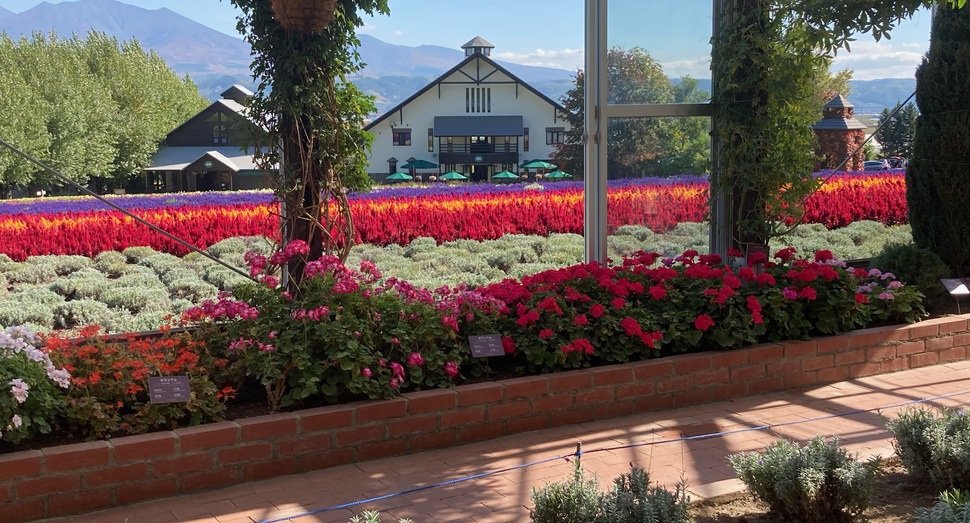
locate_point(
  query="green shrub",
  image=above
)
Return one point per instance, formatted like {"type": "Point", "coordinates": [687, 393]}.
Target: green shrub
{"type": "Point", "coordinates": [419, 245]}
{"type": "Point", "coordinates": [62, 264]}
{"type": "Point", "coordinates": [631, 500]}
{"type": "Point", "coordinates": [952, 507]}
{"type": "Point", "coordinates": [161, 262]}
{"type": "Point", "coordinates": [137, 299]}
{"type": "Point", "coordinates": [193, 289]}
{"type": "Point", "coordinates": [372, 516]}
{"type": "Point", "coordinates": [138, 253]}
{"type": "Point", "coordinates": [38, 316]}
{"type": "Point", "coordinates": [109, 258]}
{"type": "Point", "coordinates": [80, 313]}
{"type": "Point", "coordinates": [30, 273]}
{"type": "Point", "coordinates": [915, 266]}
{"type": "Point", "coordinates": [177, 273]}
{"type": "Point", "coordinates": [80, 285]}
{"type": "Point", "coordinates": [819, 482]}
{"type": "Point", "coordinates": [139, 279]}
{"type": "Point", "coordinates": [934, 448]}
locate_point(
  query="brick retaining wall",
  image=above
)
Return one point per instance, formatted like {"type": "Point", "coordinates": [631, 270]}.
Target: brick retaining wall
{"type": "Point", "coordinates": [89, 476]}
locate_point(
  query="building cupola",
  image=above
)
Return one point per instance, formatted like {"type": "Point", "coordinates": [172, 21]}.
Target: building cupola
{"type": "Point", "coordinates": [478, 45]}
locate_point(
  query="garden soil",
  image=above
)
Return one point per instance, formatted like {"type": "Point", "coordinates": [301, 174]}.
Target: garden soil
{"type": "Point", "coordinates": [895, 500]}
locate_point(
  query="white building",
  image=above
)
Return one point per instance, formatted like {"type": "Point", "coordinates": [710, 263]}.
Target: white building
{"type": "Point", "coordinates": [477, 119]}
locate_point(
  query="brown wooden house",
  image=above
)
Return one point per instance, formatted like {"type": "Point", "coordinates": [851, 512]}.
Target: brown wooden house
{"type": "Point", "coordinates": [211, 151]}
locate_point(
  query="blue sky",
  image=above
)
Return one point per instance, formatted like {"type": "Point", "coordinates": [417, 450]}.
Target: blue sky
{"type": "Point", "coordinates": [550, 32]}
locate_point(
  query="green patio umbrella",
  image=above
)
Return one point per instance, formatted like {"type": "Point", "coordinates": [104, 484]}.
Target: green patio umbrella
{"type": "Point", "coordinates": [558, 175]}
{"type": "Point", "coordinates": [452, 175]}
{"type": "Point", "coordinates": [419, 164]}
{"type": "Point", "coordinates": [505, 175]}
{"type": "Point", "coordinates": [538, 164]}
{"type": "Point", "coordinates": [399, 177]}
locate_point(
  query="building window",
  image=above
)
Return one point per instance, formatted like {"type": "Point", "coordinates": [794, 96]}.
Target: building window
{"type": "Point", "coordinates": [555, 135]}
{"type": "Point", "coordinates": [478, 99]}
{"type": "Point", "coordinates": [525, 139]}
{"type": "Point", "coordinates": [402, 137]}
{"type": "Point", "coordinates": [450, 143]}
{"type": "Point", "coordinates": [220, 128]}
{"type": "Point", "coordinates": [430, 139]}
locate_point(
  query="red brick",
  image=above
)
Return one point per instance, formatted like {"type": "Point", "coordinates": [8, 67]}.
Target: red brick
{"type": "Point", "coordinates": [762, 353]}
{"type": "Point", "coordinates": [326, 418]}
{"type": "Point", "coordinates": [862, 370]}
{"type": "Point", "coordinates": [912, 347]}
{"type": "Point", "coordinates": [304, 443]}
{"type": "Point", "coordinates": [381, 410]}
{"type": "Point", "coordinates": [74, 502]}
{"type": "Point", "coordinates": [655, 368]}
{"type": "Point", "coordinates": [852, 356]}
{"type": "Point", "coordinates": [961, 340]}
{"type": "Point", "coordinates": [614, 409]}
{"type": "Point", "coordinates": [694, 397]}
{"type": "Point", "coordinates": [29, 488]}
{"type": "Point", "coordinates": [209, 436]}
{"type": "Point", "coordinates": [430, 441]}
{"type": "Point", "coordinates": [551, 403]}
{"type": "Point", "coordinates": [22, 511]}
{"type": "Point", "coordinates": [526, 387]}
{"type": "Point", "coordinates": [730, 391]}
{"type": "Point", "coordinates": [210, 479]}
{"type": "Point", "coordinates": [570, 381]}
{"type": "Point", "coordinates": [143, 446]}
{"type": "Point", "coordinates": [655, 403]}
{"type": "Point", "coordinates": [269, 469]}
{"type": "Point", "coordinates": [635, 390]}
{"type": "Point", "coordinates": [479, 393]}
{"type": "Point", "coordinates": [462, 417]}
{"type": "Point", "coordinates": [712, 377]}
{"type": "Point", "coordinates": [936, 344]}
{"type": "Point", "coordinates": [190, 463]}
{"type": "Point", "coordinates": [159, 488]}
{"type": "Point", "coordinates": [955, 324]}
{"type": "Point", "coordinates": [833, 374]}
{"type": "Point", "coordinates": [115, 475]}
{"type": "Point", "coordinates": [878, 336]}
{"type": "Point", "coordinates": [413, 424]}
{"type": "Point", "coordinates": [329, 458]}
{"type": "Point", "coordinates": [5, 494]}
{"type": "Point", "coordinates": [772, 384]}
{"type": "Point", "coordinates": [747, 373]}
{"type": "Point", "coordinates": [353, 437]}
{"type": "Point", "coordinates": [674, 384]}
{"type": "Point", "coordinates": [594, 396]}
{"type": "Point", "coordinates": [690, 363]}
{"type": "Point", "coordinates": [923, 330]}
{"type": "Point", "coordinates": [924, 359]}
{"type": "Point", "coordinates": [515, 409]}
{"type": "Point", "coordinates": [78, 456]}
{"type": "Point", "coordinates": [956, 353]}
{"type": "Point", "coordinates": [897, 364]}
{"type": "Point", "coordinates": [431, 400]}
{"type": "Point", "coordinates": [611, 375]}
{"type": "Point", "coordinates": [518, 425]}
{"type": "Point", "coordinates": [480, 432]}
{"type": "Point", "coordinates": [881, 353]}
{"type": "Point", "coordinates": [382, 449]}
{"type": "Point", "coordinates": [26, 464]}
{"type": "Point", "coordinates": [268, 427]}
{"type": "Point", "coordinates": [832, 344]}
{"type": "Point", "coordinates": [804, 379]}
{"type": "Point", "coordinates": [729, 358]}
{"type": "Point", "coordinates": [244, 453]}
{"type": "Point", "coordinates": [783, 368]}
{"type": "Point", "coordinates": [818, 362]}
{"type": "Point", "coordinates": [571, 416]}
{"type": "Point", "coordinates": [801, 349]}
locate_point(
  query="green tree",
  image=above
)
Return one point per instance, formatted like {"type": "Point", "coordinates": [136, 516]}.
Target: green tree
{"type": "Point", "coordinates": [316, 117]}
{"type": "Point", "coordinates": [897, 134]}
{"type": "Point", "coordinates": [638, 146]}
{"type": "Point", "coordinates": [937, 183]}
{"type": "Point", "coordinates": [21, 125]}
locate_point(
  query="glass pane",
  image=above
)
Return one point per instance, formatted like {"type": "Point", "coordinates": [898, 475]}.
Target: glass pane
{"type": "Point", "coordinates": [658, 185]}
{"type": "Point", "coordinates": [666, 40]}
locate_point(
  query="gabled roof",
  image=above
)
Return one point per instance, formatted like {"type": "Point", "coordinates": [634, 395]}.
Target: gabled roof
{"type": "Point", "coordinates": [838, 102]}
{"type": "Point", "coordinates": [237, 92]}
{"type": "Point", "coordinates": [231, 105]}
{"type": "Point", "coordinates": [178, 158]}
{"type": "Point", "coordinates": [453, 70]}
{"type": "Point", "coordinates": [478, 41]}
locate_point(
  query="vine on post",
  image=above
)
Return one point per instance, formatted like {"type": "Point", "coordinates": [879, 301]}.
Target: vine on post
{"type": "Point", "coordinates": [313, 119]}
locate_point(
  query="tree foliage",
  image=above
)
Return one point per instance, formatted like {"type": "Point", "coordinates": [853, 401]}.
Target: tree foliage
{"type": "Point", "coordinates": [639, 146]}
{"type": "Point", "coordinates": [315, 117]}
{"type": "Point", "coordinates": [89, 108]}
{"type": "Point", "coordinates": [937, 183]}
{"type": "Point", "coordinates": [898, 129]}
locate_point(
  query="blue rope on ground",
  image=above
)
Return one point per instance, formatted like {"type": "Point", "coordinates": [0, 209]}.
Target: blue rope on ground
{"type": "Point", "coordinates": [579, 452]}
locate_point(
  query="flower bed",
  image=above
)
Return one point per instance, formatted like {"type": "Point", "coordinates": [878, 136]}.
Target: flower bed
{"type": "Point", "coordinates": [87, 476]}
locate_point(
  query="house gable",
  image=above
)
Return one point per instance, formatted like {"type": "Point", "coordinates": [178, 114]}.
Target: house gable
{"type": "Point", "coordinates": [222, 123]}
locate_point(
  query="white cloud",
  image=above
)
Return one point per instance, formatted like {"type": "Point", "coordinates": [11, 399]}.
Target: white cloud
{"type": "Point", "coordinates": [872, 60]}
{"type": "Point", "coordinates": [569, 59]}
{"type": "Point", "coordinates": [699, 67]}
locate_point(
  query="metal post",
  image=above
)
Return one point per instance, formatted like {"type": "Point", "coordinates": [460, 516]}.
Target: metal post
{"type": "Point", "coordinates": [594, 134]}
{"type": "Point", "coordinates": [722, 220]}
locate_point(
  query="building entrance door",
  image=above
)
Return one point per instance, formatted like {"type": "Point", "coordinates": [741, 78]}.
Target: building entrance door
{"type": "Point", "coordinates": [480, 172]}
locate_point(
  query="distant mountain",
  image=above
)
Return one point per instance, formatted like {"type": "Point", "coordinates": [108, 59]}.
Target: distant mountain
{"type": "Point", "coordinates": [393, 72]}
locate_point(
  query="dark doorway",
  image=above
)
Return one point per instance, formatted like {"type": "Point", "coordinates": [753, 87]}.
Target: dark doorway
{"type": "Point", "coordinates": [480, 172]}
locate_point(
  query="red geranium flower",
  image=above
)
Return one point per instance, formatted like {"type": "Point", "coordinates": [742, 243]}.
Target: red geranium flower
{"type": "Point", "coordinates": [703, 322]}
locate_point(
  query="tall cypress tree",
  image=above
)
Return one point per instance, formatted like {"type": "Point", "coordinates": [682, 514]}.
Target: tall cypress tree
{"type": "Point", "coordinates": [938, 177]}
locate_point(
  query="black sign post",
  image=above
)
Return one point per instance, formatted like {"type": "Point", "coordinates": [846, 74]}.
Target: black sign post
{"type": "Point", "coordinates": [486, 345]}
{"type": "Point", "coordinates": [169, 389]}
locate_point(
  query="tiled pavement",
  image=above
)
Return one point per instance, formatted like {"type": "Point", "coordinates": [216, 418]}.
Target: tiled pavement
{"type": "Point", "coordinates": [504, 497]}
